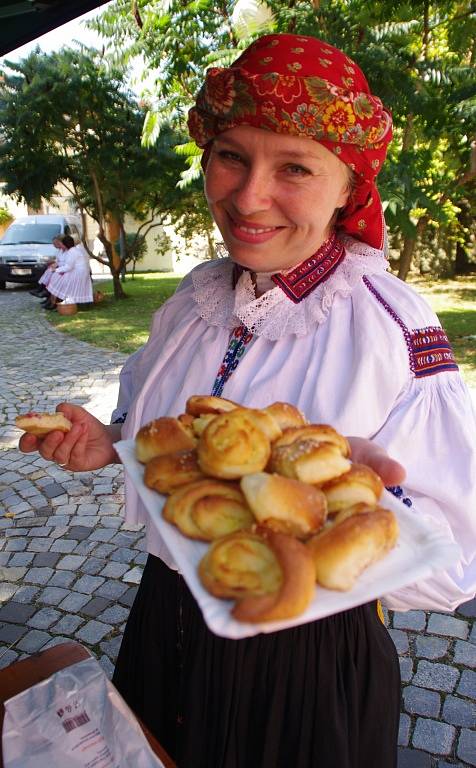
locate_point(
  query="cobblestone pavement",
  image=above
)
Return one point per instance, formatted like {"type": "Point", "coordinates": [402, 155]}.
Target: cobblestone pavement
{"type": "Point", "coordinates": [69, 566]}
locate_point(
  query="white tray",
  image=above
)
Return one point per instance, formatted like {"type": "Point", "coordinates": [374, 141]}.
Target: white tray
{"type": "Point", "coordinates": [420, 552]}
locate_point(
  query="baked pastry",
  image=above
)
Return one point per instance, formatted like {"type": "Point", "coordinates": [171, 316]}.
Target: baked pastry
{"type": "Point", "coordinates": [197, 405]}
{"type": "Point", "coordinates": [240, 564]}
{"type": "Point", "coordinates": [360, 485]}
{"type": "Point", "coordinates": [162, 436]}
{"type": "Point", "coordinates": [200, 423]}
{"type": "Point", "coordinates": [40, 424]}
{"type": "Point", "coordinates": [285, 505]}
{"type": "Point", "coordinates": [345, 549]}
{"type": "Point", "coordinates": [208, 509]}
{"type": "Point", "coordinates": [232, 446]}
{"type": "Point", "coordinates": [265, 421]}
{"type": "Point", "coordinates": [297, 586]}
{"type": "Point", "coordinates": [319, 433]}
{"type": "Point", "coordinates": [287, 415]}
{"type": "Point", "coordinates": [271, 574]}
{"type": "Point", "coordinates": [167, 473]}
{"type": "Point", "coordinates": [308, 461]}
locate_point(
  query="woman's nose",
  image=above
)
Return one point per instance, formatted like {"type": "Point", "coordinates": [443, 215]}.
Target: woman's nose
{"type": "Point", "coordinates": [253, 192]}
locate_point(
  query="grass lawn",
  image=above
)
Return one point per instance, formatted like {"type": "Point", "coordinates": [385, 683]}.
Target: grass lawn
{"type": "Point", "coordinates": [124, 325]}
{"type": "Point", "coordinates": [454, 301]}
{"type": "Point", "coordinates": [120, 325]}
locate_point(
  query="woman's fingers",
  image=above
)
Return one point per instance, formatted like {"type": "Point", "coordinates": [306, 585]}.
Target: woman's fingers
{"type": "Point", "coordinates": [376, 457]}
{"type": "Point", "coordinates": [62, 451]}
{"type": "Point", "coordinates": [28, 443]}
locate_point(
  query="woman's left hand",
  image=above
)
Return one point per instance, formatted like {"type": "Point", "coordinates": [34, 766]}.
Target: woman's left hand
{"type": "Point", "coordinates": [370, 453]}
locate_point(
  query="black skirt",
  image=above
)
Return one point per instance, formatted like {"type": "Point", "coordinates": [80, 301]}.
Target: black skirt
{"type": "Point", "coordinates": [322, 695]}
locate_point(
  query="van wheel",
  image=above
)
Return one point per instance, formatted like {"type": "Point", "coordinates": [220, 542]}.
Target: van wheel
{"type": "Point", "coordinates": [3, 285]}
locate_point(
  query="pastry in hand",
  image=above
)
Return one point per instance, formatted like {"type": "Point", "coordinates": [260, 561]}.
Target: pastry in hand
{"type": "Point", "coordinates": [162, 436]}
{"type": "Point", "coordinates": [297, 587]}
{"type": "Point", "coordinates": [287, 415]}
{"type": "Point", "coordinates": [360, 485]}
{"type": "Point", "coordinates": [40, 424]}
{"type": "Point", "coordinates": [285, 505]}
{"type": "Point", "coordinates": [345, 549]}
{"type": "Point", "coordinates": [232, 446]}
{"type": "Point", "coordinates": [318, 433]}
{"type": "Point", "coordinates": [208, 509]}
{"type": "Point", "coordinates": [308, 461]}
{"type": "Point", "coordinates": [197, 405]}
{"type": "Point", "coordinates": [167, 473]}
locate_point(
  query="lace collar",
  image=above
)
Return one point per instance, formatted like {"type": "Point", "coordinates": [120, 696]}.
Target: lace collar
{"type": "Point", "coordinates": [273, 315]}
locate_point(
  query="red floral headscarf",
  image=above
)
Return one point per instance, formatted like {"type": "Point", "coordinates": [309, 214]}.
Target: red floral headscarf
{"type": "Point", "coordinates": [301, 86]}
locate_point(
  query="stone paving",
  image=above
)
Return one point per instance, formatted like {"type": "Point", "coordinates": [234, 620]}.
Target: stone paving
{"type": "Point", "coordinates": [69, 566]}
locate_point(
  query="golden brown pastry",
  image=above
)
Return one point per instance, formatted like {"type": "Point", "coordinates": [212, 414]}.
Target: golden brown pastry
{"type": "Point", "coordinates": [240, 564]}
{"type": "Point", "coordinates": [297, 586]}
{"type": "Point", "coordinates": [308, 461]}
{"type": "Point", "coordinates": [162, 436]}
{"type": "Point", "coordinates": [264, 421]}
{"type": "Point", "coordinates": [344, 550]}
{"type": "Point", "coordinates": [167, 473]}
{"type": "Point", "coordinates": [319, 433]}
{"type": "Point", "coordinates": [200, 423]}
{"type": "Point", "coordinates": [232, 446]}
{"type": "Point", "coordinates": [40, 424]}
{"type": "Point", "coordinates": [208, 509]}
{"type": "Point", "coordinates": [287, 415]}
{"type": "Point", "coordinates": [197, 405]}
{"type": "Point", "coordinates": [285, 505]}
{"type": "Point", "coordinates": [360, 485]}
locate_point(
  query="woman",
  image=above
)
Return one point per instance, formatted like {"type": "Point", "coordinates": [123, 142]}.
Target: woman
{"type": "Point", "coordinates": [71, 282]}
{"type": "Point", "coordinates": [303, 311]}
{"type": "Point", "coordinates": [42, 290]}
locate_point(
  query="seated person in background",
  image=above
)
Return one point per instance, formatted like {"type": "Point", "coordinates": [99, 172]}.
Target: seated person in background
{"type": "Point", "coordinates": [72, 280]}
{"type": "Point", "coordinates": [42, 291]}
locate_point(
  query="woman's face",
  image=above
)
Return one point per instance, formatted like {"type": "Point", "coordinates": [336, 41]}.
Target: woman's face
{"type": "Point", "coordinates": [273, 196]}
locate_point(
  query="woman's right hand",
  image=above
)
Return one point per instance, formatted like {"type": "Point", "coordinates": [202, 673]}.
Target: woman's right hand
{"type": "Point", "coordinates": [88, 445]}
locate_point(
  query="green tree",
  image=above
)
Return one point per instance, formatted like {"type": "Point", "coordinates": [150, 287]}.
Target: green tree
{"type": "Point", "coordinates": [66, 117]}
{"type": "Point", "coordinates": [419, 58]}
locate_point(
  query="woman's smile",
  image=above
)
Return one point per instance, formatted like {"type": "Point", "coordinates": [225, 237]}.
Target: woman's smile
{"type": "Point", "coordinates": [251, 232]}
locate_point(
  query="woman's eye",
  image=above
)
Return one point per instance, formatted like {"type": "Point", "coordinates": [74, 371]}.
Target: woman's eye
{"type": "Point", "coordinates": [227, 154]}
{"type": "Point", "coordinates": [297, 170]}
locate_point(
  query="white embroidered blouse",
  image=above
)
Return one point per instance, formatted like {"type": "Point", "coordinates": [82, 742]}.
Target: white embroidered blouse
{"type": "Point", "coordinates": [362, 352]}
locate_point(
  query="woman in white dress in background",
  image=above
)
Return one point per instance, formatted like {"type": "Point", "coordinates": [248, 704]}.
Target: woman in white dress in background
{"type": "Point", "coordinates": [71, 282]}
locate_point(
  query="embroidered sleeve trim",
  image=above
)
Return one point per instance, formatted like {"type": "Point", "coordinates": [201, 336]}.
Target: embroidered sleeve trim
{"type": "Point", "coordinates": [429, 350]}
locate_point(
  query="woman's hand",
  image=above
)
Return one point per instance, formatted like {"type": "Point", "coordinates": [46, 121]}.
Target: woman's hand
{"type": "Point", "coordinates": [88, 445]}
{"type": "Point", "coordinates": [370, 453]}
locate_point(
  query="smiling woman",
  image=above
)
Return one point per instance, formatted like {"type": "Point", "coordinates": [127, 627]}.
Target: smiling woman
{"type": "Point", "coordinates": [273, 197]}
{"type": "Point", "coordinates": [302, 311]}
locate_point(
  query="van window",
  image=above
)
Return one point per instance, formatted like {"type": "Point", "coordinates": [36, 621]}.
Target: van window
{"type": "Point", "coordinates": [31, 233]}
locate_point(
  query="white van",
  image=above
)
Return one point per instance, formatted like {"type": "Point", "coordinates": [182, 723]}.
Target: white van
{"type": "Point", "coordinates": [26, 247]}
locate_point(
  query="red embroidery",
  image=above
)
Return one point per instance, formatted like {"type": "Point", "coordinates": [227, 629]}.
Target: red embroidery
{"type": "Point", "coordinates": [432, 352]}
{"type": "Point", "coordinates": [302, 280]}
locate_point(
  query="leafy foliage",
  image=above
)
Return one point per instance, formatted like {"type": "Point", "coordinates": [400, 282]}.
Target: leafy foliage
{"type": "Point", "coordinates": [67, 117]}
{"type": "Point", "coordinates": [419, 58]}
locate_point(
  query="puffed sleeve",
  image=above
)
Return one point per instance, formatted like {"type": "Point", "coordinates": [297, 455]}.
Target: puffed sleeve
{"type": "Point", "coordinates": [431, 431]}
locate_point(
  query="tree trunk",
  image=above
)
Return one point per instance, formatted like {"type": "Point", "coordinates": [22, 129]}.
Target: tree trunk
{"type": "Point", "coordinates": [116, 281]}
{"type": "Point", "coordinates": [408, 249]}
{"type": "Point", "coordinates": [462, 264]}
